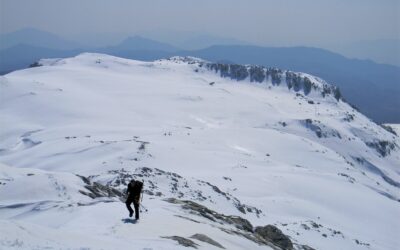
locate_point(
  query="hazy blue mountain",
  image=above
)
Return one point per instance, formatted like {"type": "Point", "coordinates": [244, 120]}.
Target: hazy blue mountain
{"type": "Point", "coordinates": [383, 51]}
{"type": "Point", "coordinates": [204, 41]}
{"type": "Point", "coordinates": [34, 37]}
{"type": "Point", "coordinates": [140, 43]}
{"type": "Point", "coordinates": [21, 56]}
{"type": "Point", "coordinates": [373, 87]}
{"type": "Point", "coordinates": [99, 39]}
{"type": "Point", "coordinates": [190, 40]}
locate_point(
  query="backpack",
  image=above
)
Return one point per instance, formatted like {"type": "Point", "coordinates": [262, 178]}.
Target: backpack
{"type": "Point", "coordinates": [135, 188]}
{"type": "Point", "coordinates": [139, 186]}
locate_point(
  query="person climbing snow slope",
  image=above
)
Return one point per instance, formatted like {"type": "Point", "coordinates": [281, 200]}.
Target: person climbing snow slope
{"type": "Point", "coordinates": [134, 191]}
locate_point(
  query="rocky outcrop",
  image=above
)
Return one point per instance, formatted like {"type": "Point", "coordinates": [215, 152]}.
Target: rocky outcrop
{"type": "Point", "coordinates": [162, 183]}
{"type": "Point", "coordinates": [261, 74]}
{"type": "Point", "coordinates": [197, 209]}
{"type": "Point", "coordinates": [35, 64]}
{"type": "Point", "coordinates": [389, 129]}
{"type": "Point", "coordinates": [268, 235]}
{"type": "Point", "coordinates": [274, 235]}
{"type": "Point", "coordinates": [182, 241]}
{"type": "Point", "coordinates": [97, 190]}
{"type": "Point", "coordinates": [382, 147]}
{"type": "Point", "coordinates": [320, 129]}
{"type": "Point", "coordinates": [206, 239]}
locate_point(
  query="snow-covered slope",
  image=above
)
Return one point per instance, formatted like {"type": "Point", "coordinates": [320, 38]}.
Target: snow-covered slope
{"type": "Point", "coordinates": [218, 147]}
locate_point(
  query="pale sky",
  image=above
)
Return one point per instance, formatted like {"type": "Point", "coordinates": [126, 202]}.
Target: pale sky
{"type": "Point", "coordinates": [288, 22]}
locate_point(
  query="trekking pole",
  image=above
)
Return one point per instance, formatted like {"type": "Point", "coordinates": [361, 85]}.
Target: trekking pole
{"type": "Point", "coordinates": [143, 207]}
{"type": "Point", "coordinates": [141, 199]}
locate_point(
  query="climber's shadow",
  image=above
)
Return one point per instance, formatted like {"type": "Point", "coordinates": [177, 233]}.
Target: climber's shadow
{"type": "Point", "coordinates": [129, 220]}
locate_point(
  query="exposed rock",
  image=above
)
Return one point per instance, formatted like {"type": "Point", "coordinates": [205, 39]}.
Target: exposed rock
{"type": "Point", "coordinates": [250, 236]}
{"type": "Point", "coordinates": [361, 243]}
{"type": "Point", "coordinates": [328, 90]}
{"type": "Point", "coordinates": [382, 147]}
{"type": "Point", "coordinates": [257, 74]}
{"type": "Point", "coordinates": [182, 241]}
{"type": "Point", "coordinates": [97, 190]}
{"type": "Point", "coordinates": [84, 179]}
{"type": "Point", "coordinates": [261, 74]}
{"type": "Point", "coordinates": [142, 146]}
{"type": "Point", "coordinates": [306, 227]}
{"type": "Point", "coordinates": [35, 64]}
{"type": "Point", "coordinates": [315, 225]}
{"type": "Point", "coordinates": [240, 223]}
{"type": "Point", "coordinates": [240, 206]}
{"type": "Point", "coordinates": [205, 238]}
{"type": "Point", "coordinates": [267, 235]}
{"type": "Point", "coordinates": [304, 247]}
{"type": "Point", "coordinates": [349, 117]}
{"type": "Point", "coordinates": [195, 208]}
{"type": "Point", "coordinates": [349, 178]}
{"type": "Point", "coordinates": [173, 185]}
{"type": "Point", "coordinates": [389, 129]}
{"type": "Point", "coordinates": [313, 127]}
{"type": "Point", "coordinates": [376, 170]}
{"type": "Point", "coordinates": [274, 235]}
{"type": "Point", "coordinates": [187, 218]}
{"type": "Point", "coordinates": [239, 72]}
{"type": "Point", "coordinates": [320, 129]}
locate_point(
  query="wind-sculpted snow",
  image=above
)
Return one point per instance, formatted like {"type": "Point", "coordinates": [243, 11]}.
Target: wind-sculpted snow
{"type": "Point", "coordinates": [218, 146]}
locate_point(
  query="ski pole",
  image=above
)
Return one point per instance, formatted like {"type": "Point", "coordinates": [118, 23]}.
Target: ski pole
{"type": "Point", "coordinates": [145, 209]}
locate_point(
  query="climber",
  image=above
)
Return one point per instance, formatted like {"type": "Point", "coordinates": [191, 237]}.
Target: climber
{"type": "Point", "coordinates": [134, 191]}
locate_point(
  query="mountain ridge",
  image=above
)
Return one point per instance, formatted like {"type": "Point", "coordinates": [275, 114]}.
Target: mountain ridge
{"type": "Point", "coordinates": [378, 82]}
{"type": "Point", "coordinates": [140, 43]}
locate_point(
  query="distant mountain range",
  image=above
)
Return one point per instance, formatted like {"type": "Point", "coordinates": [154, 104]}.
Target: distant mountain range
{"type": "Point", "coordinates": [140, 43]}
{"type": "Point", "coordinates": [382, 51]}
{"type": "Point", "coordinates": [36, 38]}
{"type": "Point", "coordinates": [374, 88]}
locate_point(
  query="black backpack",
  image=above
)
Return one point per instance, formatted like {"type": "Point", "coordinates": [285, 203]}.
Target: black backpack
{"type": "Point", "coordinates": [139, 186]}
{"type": "Point", "coordinates": [135, 188]}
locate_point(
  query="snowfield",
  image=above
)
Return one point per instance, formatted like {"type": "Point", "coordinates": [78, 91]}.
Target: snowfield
{"type": "Point", "coordinates": [221, 152]}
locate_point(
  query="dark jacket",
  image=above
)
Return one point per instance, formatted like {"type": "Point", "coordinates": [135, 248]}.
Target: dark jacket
{"type": "Point", "coordinates": [134, 190]}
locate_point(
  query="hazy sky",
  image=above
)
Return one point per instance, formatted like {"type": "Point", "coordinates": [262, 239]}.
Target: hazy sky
{"type": "Point", "coordinates": [259, 21]}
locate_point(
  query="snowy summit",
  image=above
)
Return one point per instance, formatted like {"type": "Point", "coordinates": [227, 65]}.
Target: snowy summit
{"type": "Point", "coordinates": [231, 156]}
